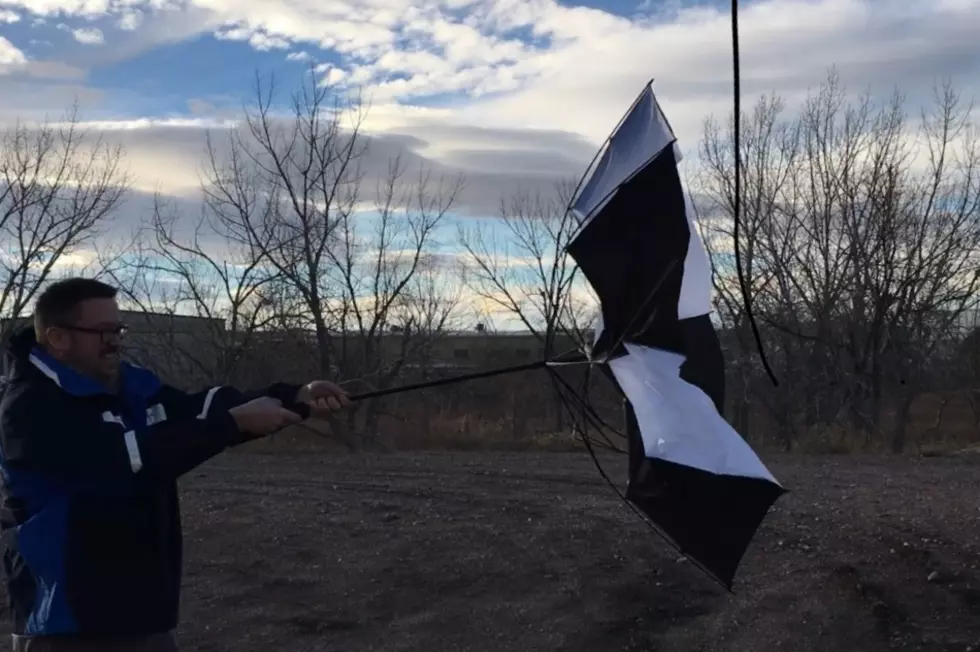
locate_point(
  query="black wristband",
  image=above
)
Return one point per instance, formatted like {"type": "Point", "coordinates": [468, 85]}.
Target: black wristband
{"type": "Point", "coordinates": [286, 393]}
{"type": "Point", "coordinates": [302, 409]}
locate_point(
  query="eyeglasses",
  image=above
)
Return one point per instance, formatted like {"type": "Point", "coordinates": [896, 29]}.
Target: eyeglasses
{"type": "Point", "coordinates": [117, 331]}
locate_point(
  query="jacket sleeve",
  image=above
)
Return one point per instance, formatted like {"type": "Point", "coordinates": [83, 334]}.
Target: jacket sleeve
{"type": "Point", "coordinates": [209, 402]}
{"type": "Point", "coordinates": [285, 392]}
{"type": "Point", "coordinates": [40, 434]}
{"type": "Point", "coordinates": [200, 426]}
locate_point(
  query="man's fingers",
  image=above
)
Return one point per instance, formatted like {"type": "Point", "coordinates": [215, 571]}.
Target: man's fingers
{"type": "Point", "coordinates": [339, 399]}
{"type": "Point", "coordinates": [327, 390]}
{"type": "Point", "coordinates": [330, 403]}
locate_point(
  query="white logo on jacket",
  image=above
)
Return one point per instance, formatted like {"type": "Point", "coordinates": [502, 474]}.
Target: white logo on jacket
{"type": "Point", "coordinates": [154, 414]}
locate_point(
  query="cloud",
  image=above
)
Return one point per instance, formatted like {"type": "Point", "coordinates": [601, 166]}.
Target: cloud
{"type": "Point", "coordinates": [574, 68]}
{"type": "Point", "coordinates": [569, 72]}
{"type": "Point", "coordinates": [259, 40]}
{"type": "Point", "coordinates": [515, 93]}
{"type": "Point", "coordinates": [89, 35]}
{"type": "Point", "coordinates": [10, 56]}
{"type": "Point", "coordinates": [130, 20]}
{"type": "Point", "coordinates": [494, 162]}
{"type": "Point", "coordinates": [585, 84]}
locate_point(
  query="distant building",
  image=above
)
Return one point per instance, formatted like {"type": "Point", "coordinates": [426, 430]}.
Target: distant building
{"type": "Point", "coordinates": [141, 322]}
{"type": "Point", "coordinates": [159, 340]}
{"type": "Point", "coordinates": [481, 349]}
{"type": "Point", "coordinates": [190, 351]}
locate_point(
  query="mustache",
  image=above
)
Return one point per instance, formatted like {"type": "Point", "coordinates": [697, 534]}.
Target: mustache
{"type": "Point", "coordinates": [109, 350]}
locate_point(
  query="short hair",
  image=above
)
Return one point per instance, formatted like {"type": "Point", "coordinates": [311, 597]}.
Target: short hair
{"type": "Point", "coordinates": [58, 303]}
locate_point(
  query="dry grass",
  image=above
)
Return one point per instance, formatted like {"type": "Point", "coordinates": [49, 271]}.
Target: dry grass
{"type": "Point", "coordinates": [522, 413]}
{"type": "Point", "coordinates": [479, 432]}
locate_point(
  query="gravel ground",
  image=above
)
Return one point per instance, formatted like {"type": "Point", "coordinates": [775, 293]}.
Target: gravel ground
{"type": "Point", "coordinates": [523, 552]}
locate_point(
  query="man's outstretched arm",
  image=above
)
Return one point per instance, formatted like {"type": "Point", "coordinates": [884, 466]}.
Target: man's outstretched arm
{"type": "Point", "coordinates": [40, 433]}
{"type": "Point", "coordinates": [317, 398]}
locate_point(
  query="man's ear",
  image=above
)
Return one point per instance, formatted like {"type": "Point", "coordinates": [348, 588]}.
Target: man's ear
{"type": "Point", "coordinates": [55, 340]}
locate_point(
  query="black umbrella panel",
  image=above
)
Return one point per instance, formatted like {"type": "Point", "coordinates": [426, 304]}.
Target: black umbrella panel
{"type": "Point", "coordinates": [691, 473]}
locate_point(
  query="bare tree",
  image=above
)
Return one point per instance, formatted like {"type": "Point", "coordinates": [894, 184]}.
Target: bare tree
{"type": "Point", "coordinates": [181, 268]}
{"type": "Point", "coordinates": [860, 243]}
{"type": "Point", "coordinates": [524, 271]}
{"type": "Point", "coordinates": [293, 190]}
{"type": "Point", "coordinates": [430, 304]}
{"type": "Point", "coordinates": [769, 153]}
{"type": "Point", "coordinates": [58, 187]}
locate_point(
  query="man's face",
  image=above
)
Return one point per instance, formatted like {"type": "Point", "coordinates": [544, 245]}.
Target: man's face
{"type": "Point", "coordinates": [91, 344]}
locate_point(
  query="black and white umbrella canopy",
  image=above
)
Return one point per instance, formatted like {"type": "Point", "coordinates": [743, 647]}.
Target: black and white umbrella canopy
{"type": "Point", "coordinates": [690, 472]}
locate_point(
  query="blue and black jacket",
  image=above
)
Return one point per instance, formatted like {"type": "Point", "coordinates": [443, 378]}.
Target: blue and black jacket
{"type": "Point", "coordinates": [89, 519]}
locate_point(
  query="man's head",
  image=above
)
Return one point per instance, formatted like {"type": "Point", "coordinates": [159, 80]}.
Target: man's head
{"type": "Point", "coordinates": [77, 321]}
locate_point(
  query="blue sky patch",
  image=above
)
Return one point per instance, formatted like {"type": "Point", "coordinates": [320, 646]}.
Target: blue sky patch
{"type": "Point", "coordinates": [219, 72]}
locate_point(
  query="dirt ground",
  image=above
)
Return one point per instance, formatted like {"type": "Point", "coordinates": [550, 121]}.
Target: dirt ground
{"type": "Point", "coordinates": [498, 552]}
{"type": "Point", "coordinates": [443, 552]}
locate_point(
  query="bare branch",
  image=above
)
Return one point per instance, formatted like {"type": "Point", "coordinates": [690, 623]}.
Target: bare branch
{"type": "Point", "coordinates": [58, 187]}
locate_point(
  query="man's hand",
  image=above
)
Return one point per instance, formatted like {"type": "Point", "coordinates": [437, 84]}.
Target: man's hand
{"type": "Point", "coordinates": [262, 416]}
{"type": "Point", "coordinates": [323, 397]}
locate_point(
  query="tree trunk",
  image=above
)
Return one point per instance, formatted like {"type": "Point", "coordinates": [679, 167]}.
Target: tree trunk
{"type": "Point", "coordinates": [900, 432]}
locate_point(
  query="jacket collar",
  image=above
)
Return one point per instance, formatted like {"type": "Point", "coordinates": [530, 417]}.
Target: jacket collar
{"type": "Point", "coordinates": [29, 358]}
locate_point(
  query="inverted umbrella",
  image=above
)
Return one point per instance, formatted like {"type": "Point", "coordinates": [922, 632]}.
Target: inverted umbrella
{"type": "Point", "coordinates": [690, 472]}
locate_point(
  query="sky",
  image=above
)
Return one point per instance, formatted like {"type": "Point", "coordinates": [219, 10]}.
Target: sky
{"type": "Point", "coordinates": [515, 94]}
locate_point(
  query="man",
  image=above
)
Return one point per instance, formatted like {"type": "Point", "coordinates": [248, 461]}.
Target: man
{"type": "Point", "coordinates": [90, 451]}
